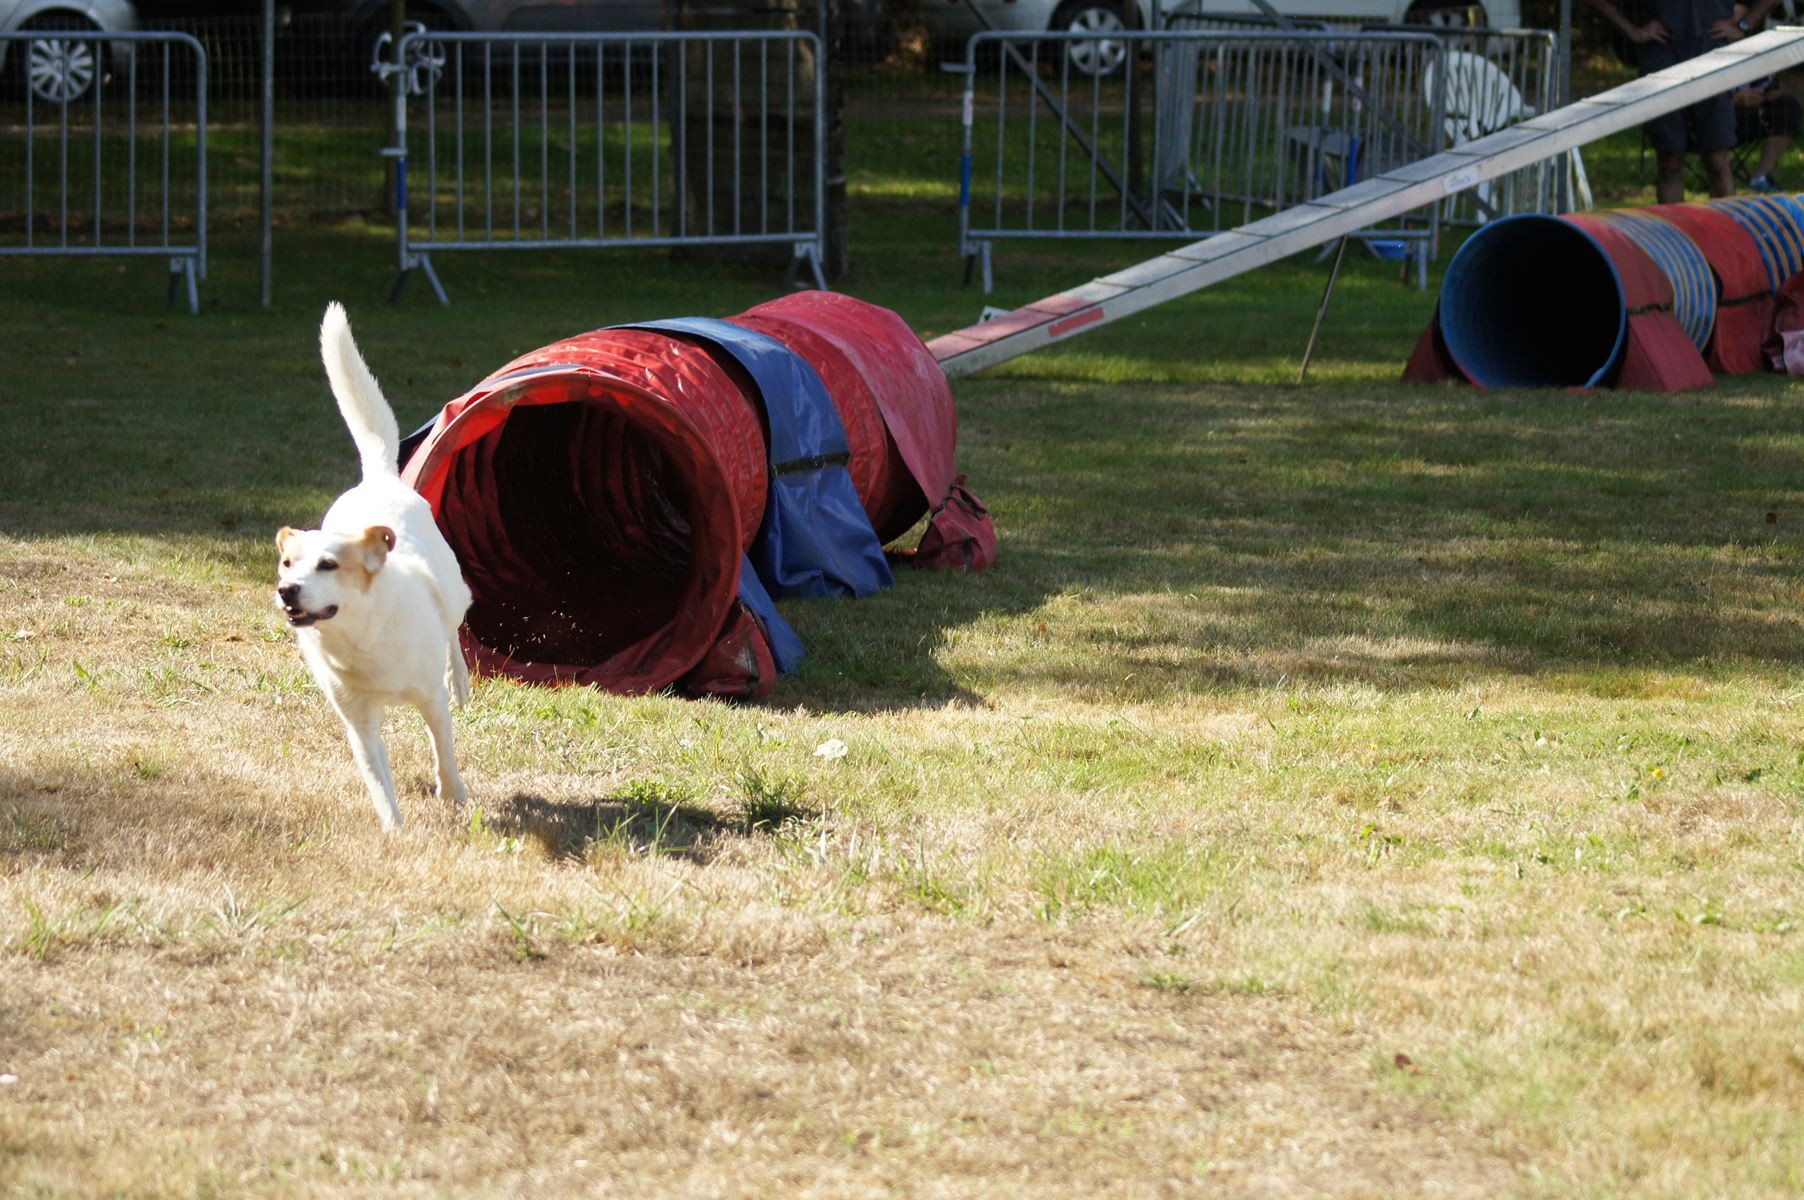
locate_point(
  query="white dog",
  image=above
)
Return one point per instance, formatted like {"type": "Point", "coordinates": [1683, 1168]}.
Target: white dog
{"type": "Point", "coordinates": [375, 593]}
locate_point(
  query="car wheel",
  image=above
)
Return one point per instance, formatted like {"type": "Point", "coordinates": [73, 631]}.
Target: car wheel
{"type": "Point", "coordinates": [1104, 56]}
{"type": "Point", "coordinates": [61, 69]}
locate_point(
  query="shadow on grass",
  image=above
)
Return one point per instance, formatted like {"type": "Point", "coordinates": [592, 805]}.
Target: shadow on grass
{"type": "Point", "coordinates": [632, 826]}
{"type": "Point", "coordinates": [1411, 537]}
{"type": "Point", "coordinates": [145, 806]}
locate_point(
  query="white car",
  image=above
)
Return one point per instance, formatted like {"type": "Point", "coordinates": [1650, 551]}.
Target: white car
{"type": "Point", "coordinates": [956, 20]}
{"type": "Point", "coordinates": [56, 69]}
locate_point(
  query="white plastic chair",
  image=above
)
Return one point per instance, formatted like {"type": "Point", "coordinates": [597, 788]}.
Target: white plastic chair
{"type": "Point", "coordinates": [1480, 97]}
{"type": "Point", "coordinates": [1480, 101]}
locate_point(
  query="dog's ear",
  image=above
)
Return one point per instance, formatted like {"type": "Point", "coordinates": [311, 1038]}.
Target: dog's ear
{"type": "Point", "coordinates": [285, 535]}
{"type": "Point", "coordinates": [378, 540]}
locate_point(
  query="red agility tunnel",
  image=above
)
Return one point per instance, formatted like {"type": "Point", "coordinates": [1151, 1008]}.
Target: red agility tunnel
{"type": "Point", "coordinates": [602, 493]}
{"type": "Point", "coordinates": [1653, 298]}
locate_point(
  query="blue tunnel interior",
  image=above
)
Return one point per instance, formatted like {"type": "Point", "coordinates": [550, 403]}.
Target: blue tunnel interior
{"type": "Point", "coordinates": [1532, 301]}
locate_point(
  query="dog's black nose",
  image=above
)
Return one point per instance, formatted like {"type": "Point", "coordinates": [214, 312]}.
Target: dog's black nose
{"type": "Point", "coordinates": [289, 594]}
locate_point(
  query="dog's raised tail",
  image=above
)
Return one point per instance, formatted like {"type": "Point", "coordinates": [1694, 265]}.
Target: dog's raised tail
{"type": "Point", "coordinates": [360, 401]}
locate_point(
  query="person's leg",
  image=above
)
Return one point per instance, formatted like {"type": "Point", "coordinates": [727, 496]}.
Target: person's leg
{"type": "Point", "coordinates": [1667, 136]}
{"type": "Point", "coordinates": [1770, 151]}
{"type": "Point", "coordinates": [1717, 174]}
{"type": "Point", "coordinates": [1666, 133]}
{"type": "Point", "coordinates": [1713, 124]}
{"type": "Point", "coordinates": [1779, 118]}
{"type": "Point", "coordinates": [1669, 176]}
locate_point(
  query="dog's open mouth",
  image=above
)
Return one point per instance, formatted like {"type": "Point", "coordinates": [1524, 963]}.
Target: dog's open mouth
{"type": "Point", "coordinates": [300, 618]}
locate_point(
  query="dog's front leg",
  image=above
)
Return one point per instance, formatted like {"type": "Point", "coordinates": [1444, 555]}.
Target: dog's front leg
{"type": "Point", "coordinates": [363, 726]}
{"type": "Point", "coordinates": [437, 711]}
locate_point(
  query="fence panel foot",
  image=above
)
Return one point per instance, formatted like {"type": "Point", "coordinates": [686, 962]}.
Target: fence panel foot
{"type": "Point", "coordinates": [977, 254]}
{"type": "Point", "coordinates": [806, 252]}
{"type": "Point", "coordinates": [424, 265]}
{"type": "Point", "coordinates": [181, 270]}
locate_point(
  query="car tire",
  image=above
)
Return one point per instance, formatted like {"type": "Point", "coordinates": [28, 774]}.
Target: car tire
{"type": "Point", "coordinates": [1100, 58]}
{"type": "Point", "coordinates": [60, 70]}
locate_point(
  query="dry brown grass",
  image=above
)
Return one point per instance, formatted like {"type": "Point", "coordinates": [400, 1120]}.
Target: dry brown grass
{"type": "Point", "coordinates": [758, 1056]}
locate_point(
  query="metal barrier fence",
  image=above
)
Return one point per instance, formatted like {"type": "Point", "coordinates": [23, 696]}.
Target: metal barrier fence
{"type": "Point", "coordinates": [1495, 78]}
{"type": "Point", "coordinates": [543, 141]}
{"type": "Point", "coordinates": [103, 149]}
{"type": "Point", "coordinates": [1204, 131]}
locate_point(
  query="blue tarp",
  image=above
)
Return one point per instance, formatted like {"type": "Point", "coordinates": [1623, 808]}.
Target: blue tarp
{"type": "Point", "coordinates": [785, 643]}
{"type": "Point", "coordinates": [815, 539]}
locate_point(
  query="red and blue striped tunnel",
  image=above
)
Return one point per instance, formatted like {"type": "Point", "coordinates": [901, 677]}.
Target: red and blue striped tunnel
{"type": "Point", "coordinates": [1651, 297]}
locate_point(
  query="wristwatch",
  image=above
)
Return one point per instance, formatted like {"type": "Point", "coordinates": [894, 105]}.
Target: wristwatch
{"type": "Point", "coordinates": [1741, 23]}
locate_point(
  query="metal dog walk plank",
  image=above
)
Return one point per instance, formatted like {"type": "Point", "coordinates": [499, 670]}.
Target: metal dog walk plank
{"type": "Point", "coordinates": [1148, 271]}
{"type": "Point", "coordinates": [1359, 193]}
{"type": "Point", "coordinates": [1214, 247]}
{"type": "Point", "coordinates": [1575, 113]}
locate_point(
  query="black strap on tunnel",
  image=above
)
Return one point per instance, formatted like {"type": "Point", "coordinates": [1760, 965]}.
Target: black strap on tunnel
{"type": "Point", "coordinates": [813, 462]}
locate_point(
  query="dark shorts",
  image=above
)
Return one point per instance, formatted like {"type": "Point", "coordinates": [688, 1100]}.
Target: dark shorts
{"type": "Point", "coordinates": [1706, 125]}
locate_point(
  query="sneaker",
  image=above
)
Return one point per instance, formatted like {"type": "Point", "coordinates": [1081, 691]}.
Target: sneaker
{"type": "Point", "coordinates": [1762, 183]}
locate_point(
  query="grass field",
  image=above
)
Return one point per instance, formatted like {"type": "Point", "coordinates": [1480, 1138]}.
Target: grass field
{"type": "Point", "coordinates": [1347, 789]}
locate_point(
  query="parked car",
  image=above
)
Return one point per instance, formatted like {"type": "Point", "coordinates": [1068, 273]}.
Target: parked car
{"type": "Point", "coordinates": [61, 69]}
{"type": "Point", "coordinates": [369, 22]}
{"type": "Point", "coordinates": [337, 42]}
{"type": "Point", "coordinates": [493, 16]}
{"type": "Point", "coordinates": [951, 21]}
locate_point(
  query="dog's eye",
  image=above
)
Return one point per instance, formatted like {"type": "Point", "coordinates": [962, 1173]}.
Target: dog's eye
{"type": "Point", "coordinates": [288, 562]}
{"type": "Point", "coordinates": [326, 564]}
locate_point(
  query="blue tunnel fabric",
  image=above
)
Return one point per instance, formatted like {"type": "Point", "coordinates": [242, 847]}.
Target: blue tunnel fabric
{"type": "Point", "coordinates": [815, 539]}
{"type": "Point", "coordinates": [1495, 299]}
{"type": "Point", "coordinates": [785, 643]}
